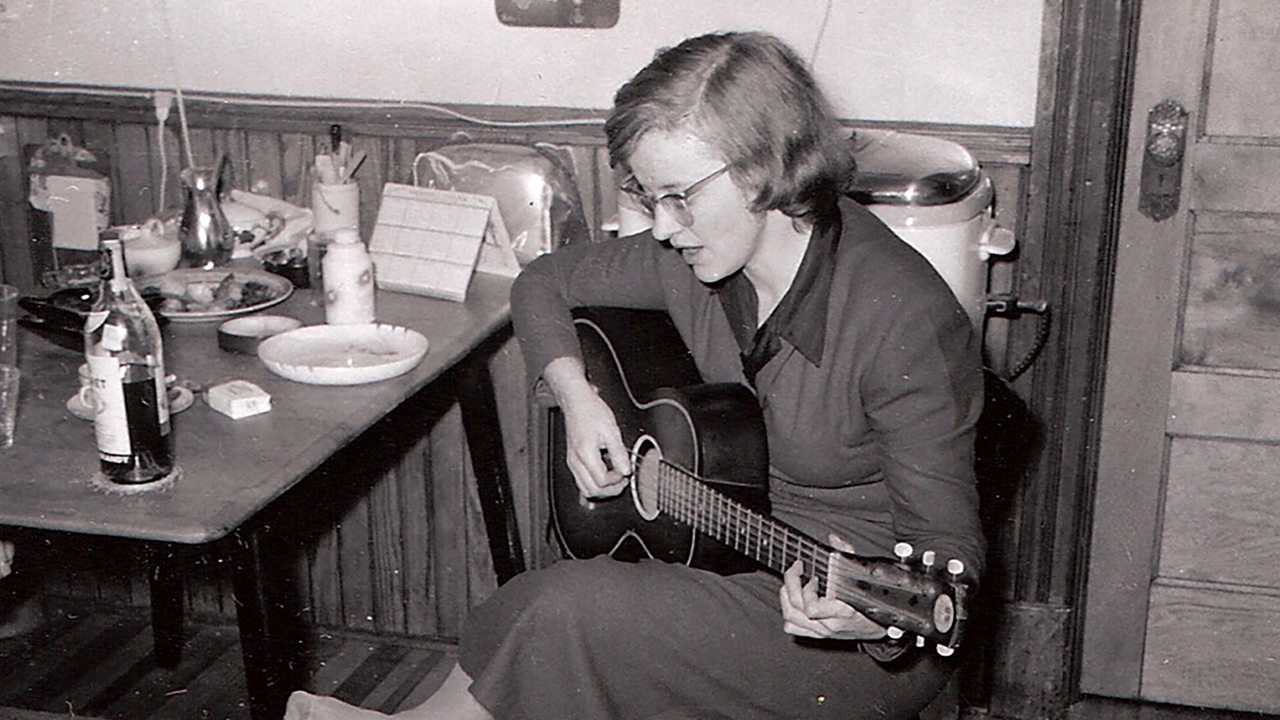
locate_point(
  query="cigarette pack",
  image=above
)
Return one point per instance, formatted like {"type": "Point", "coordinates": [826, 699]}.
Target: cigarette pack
{"type": "Point", "coordinates": [238, 399]}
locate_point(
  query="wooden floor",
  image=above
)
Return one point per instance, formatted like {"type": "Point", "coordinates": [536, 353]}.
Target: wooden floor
{"type": "Point", "coordinates": [98, 663]}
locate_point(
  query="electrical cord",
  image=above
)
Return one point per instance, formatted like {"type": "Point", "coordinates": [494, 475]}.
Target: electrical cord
{"type": "Point", "coordinates": [1044, 321]}
{"type": "Point", "coordinates": [1007, 305]}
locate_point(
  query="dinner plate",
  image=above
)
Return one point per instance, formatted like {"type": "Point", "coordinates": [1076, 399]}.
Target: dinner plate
{"type": "Point", "coordinates": [201, 285]}
{"type": "Point", "coordinates": [180, 399]}
{"type": "Point", "coordinates": [343, 354]}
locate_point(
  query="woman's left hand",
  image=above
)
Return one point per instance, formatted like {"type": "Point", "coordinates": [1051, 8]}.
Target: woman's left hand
{"type": "Point", "coordinates": [805, 614]}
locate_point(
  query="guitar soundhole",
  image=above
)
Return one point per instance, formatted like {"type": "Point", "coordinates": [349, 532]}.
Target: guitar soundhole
{"type": "Point", "coordinates": [644, 486]}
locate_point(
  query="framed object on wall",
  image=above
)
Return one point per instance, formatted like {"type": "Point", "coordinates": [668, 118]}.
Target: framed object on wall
{"type": "Point", "coordinates": [558, 13]}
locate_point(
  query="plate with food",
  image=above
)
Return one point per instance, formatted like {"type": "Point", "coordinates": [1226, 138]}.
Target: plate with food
{"type": "Point", "coordinates": [195, 295]}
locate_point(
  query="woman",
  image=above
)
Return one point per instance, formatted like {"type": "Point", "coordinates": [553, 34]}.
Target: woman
{"type": "Point", "coordinates": [867, 373]}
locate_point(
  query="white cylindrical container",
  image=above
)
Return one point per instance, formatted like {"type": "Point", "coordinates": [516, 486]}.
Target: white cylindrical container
{"type": "Point", "coordinates": [348, 281]}
{"type": "Point", "coordinates": [335, 206]}
{"type": "Point", "coordinates": [957, 239]}
{"type": "Point", "coordinates": [934, 196]}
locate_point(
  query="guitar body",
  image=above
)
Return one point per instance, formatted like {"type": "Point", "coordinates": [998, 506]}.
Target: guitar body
{"type": "Point", "coordinates": [643, 372]}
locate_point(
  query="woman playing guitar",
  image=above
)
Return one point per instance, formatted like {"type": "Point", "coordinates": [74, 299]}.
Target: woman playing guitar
{"type": "Point", "coordinates": [866, 375]}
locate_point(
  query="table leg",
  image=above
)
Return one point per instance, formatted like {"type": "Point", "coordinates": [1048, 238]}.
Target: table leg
{"type": "Point", "coordinates": [271, 638]}
{"type": "Point", "coordinates": [166, 579]}
{"type": "Point", "coordinates": [484, 438]}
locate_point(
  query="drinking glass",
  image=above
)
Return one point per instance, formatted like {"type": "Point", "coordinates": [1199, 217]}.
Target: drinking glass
{"type": "Point", "coordinates": [8, 325]}
{"type": "Point", "coordinates": [9, 376]}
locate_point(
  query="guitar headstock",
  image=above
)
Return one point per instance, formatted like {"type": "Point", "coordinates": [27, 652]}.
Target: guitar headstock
{"type": "Point", "coordinates": [919, 599]}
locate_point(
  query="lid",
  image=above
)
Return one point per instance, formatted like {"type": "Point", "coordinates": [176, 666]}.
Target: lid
{"type": "Point", "coordinates": [897, 168]}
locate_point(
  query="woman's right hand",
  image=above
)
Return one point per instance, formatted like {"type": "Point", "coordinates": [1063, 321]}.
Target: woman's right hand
{"type": "Point", "coordinates": [593, 443]}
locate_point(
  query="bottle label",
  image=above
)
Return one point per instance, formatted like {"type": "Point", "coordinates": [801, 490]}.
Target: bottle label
{"type": "Point", "coordinates": [110, 421]}
{"type": "Point", "coordinates": [114, 337]}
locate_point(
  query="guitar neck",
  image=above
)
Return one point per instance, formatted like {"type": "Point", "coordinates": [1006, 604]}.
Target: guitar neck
{"type": "Point", "coordinates": [771, 543]}
{"type": "Point", "coordinates": [884, 590]}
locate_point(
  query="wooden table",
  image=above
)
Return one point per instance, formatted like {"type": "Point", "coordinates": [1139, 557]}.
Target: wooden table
{"type": "Point", "coordinates": [232, 469]}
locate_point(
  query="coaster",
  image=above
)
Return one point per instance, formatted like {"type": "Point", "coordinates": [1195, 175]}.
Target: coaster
{"type": "Point", "coordinates": [111, 487]}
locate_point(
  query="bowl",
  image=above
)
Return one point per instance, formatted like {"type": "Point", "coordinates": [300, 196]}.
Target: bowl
{"type": "Point", "coordinates": [244, 334]}
{"type": "Point", "coordinates": [149, 249]}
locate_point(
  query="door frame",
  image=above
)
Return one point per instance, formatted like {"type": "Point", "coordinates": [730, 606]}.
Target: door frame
{"type": "Point", "coordinates": [1078, 149]}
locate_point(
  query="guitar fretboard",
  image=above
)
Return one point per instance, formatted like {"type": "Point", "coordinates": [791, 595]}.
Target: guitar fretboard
{"type": "Point", "coordinates": [687, 499]}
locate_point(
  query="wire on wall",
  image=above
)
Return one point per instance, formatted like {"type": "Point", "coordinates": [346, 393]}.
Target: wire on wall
{"type": "Point", "coordinates": [822, 31]}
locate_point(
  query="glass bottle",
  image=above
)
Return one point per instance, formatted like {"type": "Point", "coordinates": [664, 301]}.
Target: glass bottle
{"type": "Point", "coordinates": [125, 355]}
{"type": "Point", "coordinates": [348, 280]}
{"type": "Point", "coordinates": [206, 234]}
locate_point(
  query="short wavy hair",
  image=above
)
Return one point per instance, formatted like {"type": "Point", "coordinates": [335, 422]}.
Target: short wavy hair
{"type": "Point", "coordinates": [750, 97]}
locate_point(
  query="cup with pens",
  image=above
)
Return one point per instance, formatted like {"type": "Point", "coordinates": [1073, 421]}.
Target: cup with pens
{"type": "Point", "coordinates": [335, 201]}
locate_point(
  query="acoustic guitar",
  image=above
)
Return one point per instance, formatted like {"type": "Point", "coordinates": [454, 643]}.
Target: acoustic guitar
{"type": "Point", "coordinates": [699, 490]}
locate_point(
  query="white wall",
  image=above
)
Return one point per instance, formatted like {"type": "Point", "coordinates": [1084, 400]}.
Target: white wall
{"type": "Point", "coordinates": [957, 61]}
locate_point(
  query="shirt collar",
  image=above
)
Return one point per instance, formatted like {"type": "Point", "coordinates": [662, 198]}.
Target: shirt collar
{"type": "Point", "coordinates": [801, 315]}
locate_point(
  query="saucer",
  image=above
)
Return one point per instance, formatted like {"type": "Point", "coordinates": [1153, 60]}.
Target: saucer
{"type": "Point", "coordinates": [180, 399]}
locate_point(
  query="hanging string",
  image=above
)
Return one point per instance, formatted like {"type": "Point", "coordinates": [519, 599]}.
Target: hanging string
{"type": "Point", "coordinates": [182, 122]}
{"type": "Point", "coordinates": [176, 67]}
{"type": "Point", "coordinates": [164, 165]}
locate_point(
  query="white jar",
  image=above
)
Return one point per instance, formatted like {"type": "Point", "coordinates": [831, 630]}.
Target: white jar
{"type": "Point", "coordinates": [348, 281]}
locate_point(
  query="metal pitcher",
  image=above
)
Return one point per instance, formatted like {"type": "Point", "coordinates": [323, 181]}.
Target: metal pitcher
{"type": "Point", "coordinates": [206, 234]}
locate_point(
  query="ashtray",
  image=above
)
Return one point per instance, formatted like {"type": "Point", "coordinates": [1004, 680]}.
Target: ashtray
{"type": "Point", "coordinates": [243, 334]}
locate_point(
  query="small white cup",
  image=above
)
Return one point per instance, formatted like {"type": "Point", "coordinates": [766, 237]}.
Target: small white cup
{"type": "Point", "coordinates": [335, 207]}
{"type": "Point", "coordinates": [88, 397]}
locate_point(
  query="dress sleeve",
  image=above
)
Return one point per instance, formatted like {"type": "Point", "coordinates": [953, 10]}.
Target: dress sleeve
{"type": "Point", "coordinates": [924, 399]}
{"type": "Point", "coordinates": [626, 272]}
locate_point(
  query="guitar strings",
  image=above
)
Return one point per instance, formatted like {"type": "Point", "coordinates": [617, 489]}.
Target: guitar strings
{"type": "Point", "coordinates": [688, 498]}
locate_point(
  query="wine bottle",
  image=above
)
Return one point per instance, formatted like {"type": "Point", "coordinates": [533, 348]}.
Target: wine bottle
{"type": "Point", "coordinates": [125, 355]}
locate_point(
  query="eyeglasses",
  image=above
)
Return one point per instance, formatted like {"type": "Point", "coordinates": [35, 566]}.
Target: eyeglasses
{"type": "Point", "coordinates": [677, 203]}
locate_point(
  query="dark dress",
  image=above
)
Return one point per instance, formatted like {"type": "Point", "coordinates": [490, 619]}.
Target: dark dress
{"type": "Point", "coordinates": [869, 380]}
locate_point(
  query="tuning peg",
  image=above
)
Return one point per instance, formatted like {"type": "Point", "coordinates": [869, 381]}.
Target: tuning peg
{"type": "Point", "coordinates": [894, 633]}
{"type": "Point", "coordinates": [919, 641]}
{"type": "Point", "coordinates": [903, 550]}
{"type": "Point", "coordinates": [955, 566]}
{"type": "Point", "coordinates": [928, 558]}
{"type": "Point", "coordinates": [945, 651]}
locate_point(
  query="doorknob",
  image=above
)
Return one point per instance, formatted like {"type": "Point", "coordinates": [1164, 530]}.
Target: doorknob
{"type": "Point", "coordinates": [1166, 146]}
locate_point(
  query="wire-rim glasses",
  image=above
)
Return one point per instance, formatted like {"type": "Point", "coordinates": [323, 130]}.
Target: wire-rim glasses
{"type": "Point", "coordinates": [677, 203]}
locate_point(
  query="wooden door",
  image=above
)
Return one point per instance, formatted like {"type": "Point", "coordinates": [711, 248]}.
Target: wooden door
{"type": "Point", "coordinates": [1183, 594]}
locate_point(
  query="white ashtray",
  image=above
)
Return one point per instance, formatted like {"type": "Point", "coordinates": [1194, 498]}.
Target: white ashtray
{"type": "Point", "coordinates": [343, 354]}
